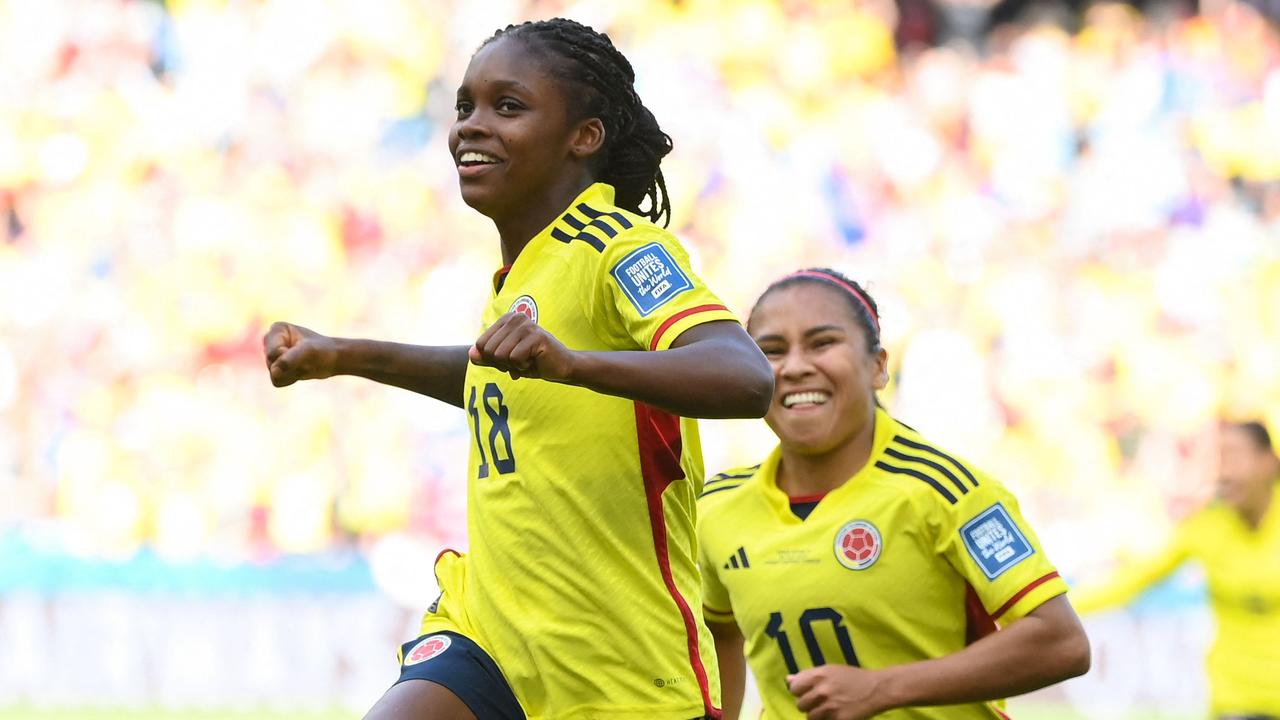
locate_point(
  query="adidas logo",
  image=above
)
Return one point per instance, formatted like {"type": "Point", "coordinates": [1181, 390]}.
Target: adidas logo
{"type": "Point", "coordinates": [738, 560]}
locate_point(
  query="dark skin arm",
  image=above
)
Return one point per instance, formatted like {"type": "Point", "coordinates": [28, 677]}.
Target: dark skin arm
{"type": "Point", "coordinates": [296, 353]}
{"type": "Point", "coordinates": [733, 666]}
{"type": "Point", "coordinates": [1047, 646]}
{"type": "Point", "coordinates": [719, 371]}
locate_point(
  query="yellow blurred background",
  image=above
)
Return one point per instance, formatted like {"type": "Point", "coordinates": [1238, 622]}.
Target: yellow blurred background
{"type": "Point", "coordinates": [1071, 221]}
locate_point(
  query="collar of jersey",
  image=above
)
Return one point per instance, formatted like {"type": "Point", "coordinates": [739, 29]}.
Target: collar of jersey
{"type": "Point", "coordinates": [599, 194]}
{"type": "Point", "coordinates": [767, 475]}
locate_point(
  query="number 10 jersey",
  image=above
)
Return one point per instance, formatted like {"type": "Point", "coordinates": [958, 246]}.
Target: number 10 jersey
{"type": "Point", "coordinates": [582, 579]}
{"type": "Point", "coordinates": [914, 557]}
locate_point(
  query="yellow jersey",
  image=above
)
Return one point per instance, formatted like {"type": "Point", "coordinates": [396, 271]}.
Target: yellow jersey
{"type": "Point", "coordinates": [916, 556]}
{"type": "Point", "coordinates": [581, 580]}
{"type": "Point", "coordinates": [1242, 567]}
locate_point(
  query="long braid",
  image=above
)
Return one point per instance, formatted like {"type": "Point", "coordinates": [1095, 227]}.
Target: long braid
{"type": "Point", "coordinates": [634, 144]}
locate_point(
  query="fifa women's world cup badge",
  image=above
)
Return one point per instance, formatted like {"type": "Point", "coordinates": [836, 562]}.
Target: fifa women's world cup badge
{"type": "Point", "coordinates": [526, 307]}
{"type": "Point", "coordinates": [858, 545]}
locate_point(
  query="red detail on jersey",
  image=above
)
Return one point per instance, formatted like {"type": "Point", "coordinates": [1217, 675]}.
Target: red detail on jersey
{"type": "Point", "coordinates": [1021, 594]}
{"type": "Point", "coordinates": [660, 444]}
{"type": "Point", "coordinates": [806, 498]}
{"type": "Point", "coordinates": [997, 711]}
{"type": "Point", "coordinates": [442, 553]}
{"type": "Point", "coordinates": [978, 623]}
{"type": "Point", "coordinates": [666, 324]}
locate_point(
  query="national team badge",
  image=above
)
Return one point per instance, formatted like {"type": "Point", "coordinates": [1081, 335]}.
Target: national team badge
{"type": "Point", "coordinates": [858, 545]}
{"type": "Point", "coordinates": [526, 307]}
{"type": "Point", "coordinates": [427, 648]}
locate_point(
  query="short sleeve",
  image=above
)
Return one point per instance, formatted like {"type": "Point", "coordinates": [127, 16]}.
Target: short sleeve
{"type": "Point", "coordinates": [715, 596]}
{"type": "Point", "coordinates": [647, 293]}
{"type": "Point", "coordinates": [984, 536]}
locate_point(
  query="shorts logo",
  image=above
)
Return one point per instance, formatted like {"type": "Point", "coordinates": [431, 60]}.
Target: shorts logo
{"type": "Point", "coordinates": [427, 648]}
{"type": "Point", "coordinates": [858, 545]}
{"type": "Point", "coordinates": [526, 307]}
{"type": "Point", "coordinates": [995, 542]}
{"type": "Point", "coordinates": [650, 277]}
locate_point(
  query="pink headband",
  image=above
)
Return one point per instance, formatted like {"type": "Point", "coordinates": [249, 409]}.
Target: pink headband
{"type": "Point", "coordinates": [875, 320]}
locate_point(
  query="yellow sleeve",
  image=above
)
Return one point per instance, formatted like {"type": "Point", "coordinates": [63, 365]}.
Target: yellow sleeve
{"type": "Point", "coordinates": [715, 597]}
{"type": "Point", "coordinates": [647, 294]}
{"type": "Point", "coordinates": [985, 538]}
{"type": "Point", "coordinates": [1133, 578]}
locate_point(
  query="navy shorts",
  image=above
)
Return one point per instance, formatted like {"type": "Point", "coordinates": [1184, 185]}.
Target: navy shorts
{"type": "Point", "coordinates": [457, 663]}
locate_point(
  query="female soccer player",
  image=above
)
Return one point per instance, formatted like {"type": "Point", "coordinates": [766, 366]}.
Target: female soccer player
{"type": "Point", "coordinates": [580, 596]}
{"type": "Point", "coordinates": [1237, 541]}
{"type": "Point", "coordinates": [864, 568]}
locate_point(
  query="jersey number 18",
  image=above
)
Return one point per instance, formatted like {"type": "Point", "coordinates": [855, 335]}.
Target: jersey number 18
{"type": "Point", "coordinates": [498, 413]}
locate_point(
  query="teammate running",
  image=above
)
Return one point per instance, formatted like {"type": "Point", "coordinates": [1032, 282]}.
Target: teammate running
{"type": "Point", "coordinates": [865, 570]}
{"type": "Point", "coordinates": [580, 596]}
{"type": "Point", "coordinates": [1237, 541]}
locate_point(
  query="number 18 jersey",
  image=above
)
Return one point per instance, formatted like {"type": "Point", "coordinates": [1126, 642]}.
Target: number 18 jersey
{"type": "Point", "coordinates": [582, 579]}
{"type": "Point", "coordinates": [912, 558]}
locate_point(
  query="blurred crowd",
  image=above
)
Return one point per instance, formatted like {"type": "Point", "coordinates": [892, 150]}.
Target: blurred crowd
{"type": "Point", "coordinates": [1073, 230]}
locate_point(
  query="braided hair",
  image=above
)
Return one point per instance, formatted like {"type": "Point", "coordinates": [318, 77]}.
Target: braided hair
{"type": "Point", "coordinates": [634, 145]}
{"type": "Point", "coordinates": [860, 302]}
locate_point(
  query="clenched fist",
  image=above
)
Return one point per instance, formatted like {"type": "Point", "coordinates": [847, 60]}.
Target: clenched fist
{"type": "Point", "coordinates": [295, 353]}
{"type": "Point", "coordinates": [516, 345]}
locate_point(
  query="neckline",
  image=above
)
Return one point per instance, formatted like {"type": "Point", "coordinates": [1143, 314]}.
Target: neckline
{"type": "Point", "coordinates": [601, 192]}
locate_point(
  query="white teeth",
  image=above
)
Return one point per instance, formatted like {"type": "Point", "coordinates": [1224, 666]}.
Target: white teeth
{"type": "Point", "coordinates": [805, 398]}
{"type": "Point", "coordinates": [476, 157]}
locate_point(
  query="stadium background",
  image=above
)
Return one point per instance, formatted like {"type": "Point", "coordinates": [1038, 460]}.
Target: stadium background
{"type": "Point", "coordinates": [1071, 221]}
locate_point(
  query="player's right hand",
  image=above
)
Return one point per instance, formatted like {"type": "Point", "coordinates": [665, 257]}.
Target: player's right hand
{"type": "Point", "coordinates": [295, 353]}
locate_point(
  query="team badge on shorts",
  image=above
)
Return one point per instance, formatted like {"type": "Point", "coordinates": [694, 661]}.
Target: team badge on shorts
{"type": "Point", "coordinates": [427, 648]}
{"type": "Point", "coordinates": [858, 545]}
{"type": "Point", "coordinates": [526, 307]}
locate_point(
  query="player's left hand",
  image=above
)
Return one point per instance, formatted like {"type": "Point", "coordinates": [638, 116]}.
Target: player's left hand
{"type": "Point", "coordinates": [835, 692]}
{"type": "Point", "coordinates": [516, 345]}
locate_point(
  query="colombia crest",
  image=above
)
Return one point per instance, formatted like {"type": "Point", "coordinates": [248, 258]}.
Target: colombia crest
{"type": "Point", "coordinates": [526, 307]}
{"type": "Point", "coordinates": [858, 545]}
{"type": "Point", "coordinates": [427, 648]}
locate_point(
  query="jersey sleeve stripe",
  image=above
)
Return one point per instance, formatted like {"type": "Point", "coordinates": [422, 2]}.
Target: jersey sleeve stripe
{"type": "Point", "coordinates": [927, 462]}
{"type": "Point", "coordinates": [593, 213]}
{"type": "Point", "coordinates": [660, 444]}
{"type": "Point", "coordinates": [1021, 594]}
{"type": "Point", "coordinates": [919, 476]}
{"type": "Point", "coordinates": [720, 488]}
{"type": "Point", "coordinates": [584, 236]}
{"type": "Point", "coordinates": [934, 451]}
{"type": "Point", "coordinates": [666, 324]}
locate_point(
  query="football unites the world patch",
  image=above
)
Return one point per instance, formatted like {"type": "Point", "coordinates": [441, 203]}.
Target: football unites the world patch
{"type": "Point", "coordinates": [995, 542]}
{"type": "Point", "coordinates": [650, 277]}
{"type": "Point", "coordinates": [427, 648]}
{"type": "Point", "coordinates": [858, 545]}
{"type": "Point", "coordinates": [526, 307]}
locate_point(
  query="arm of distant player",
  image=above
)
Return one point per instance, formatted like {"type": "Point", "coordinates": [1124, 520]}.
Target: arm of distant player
{"type": "Point", "coordinates": [1131, 580]}
{"type": "Point", "coordinates": [1047, 646]}
{"type": "Point", "coordinates": [713, 370]}
{"type": "Point", "coordinates": [733, 666]}
{"type": "Point", "coordinates": [296, 353]}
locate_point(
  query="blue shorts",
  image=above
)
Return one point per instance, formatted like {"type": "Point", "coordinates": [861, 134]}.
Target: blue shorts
{"type": "Point", "coordinates": [457, 663]}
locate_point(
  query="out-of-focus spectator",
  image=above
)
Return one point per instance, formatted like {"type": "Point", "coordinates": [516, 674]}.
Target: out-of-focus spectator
{"type": "Point", "coordinates": [1079, 226]}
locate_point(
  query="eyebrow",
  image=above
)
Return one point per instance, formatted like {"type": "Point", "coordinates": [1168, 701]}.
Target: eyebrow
{"type": "Point", "coordinates": [807, 333]}
{"type": "Point", "coordinates": [498, 85]}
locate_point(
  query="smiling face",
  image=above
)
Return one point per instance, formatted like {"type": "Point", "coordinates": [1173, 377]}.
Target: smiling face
{"type": "Point", "coordinates": [825, 375]}
{"type": "Point", "coordinates": [514, 141]}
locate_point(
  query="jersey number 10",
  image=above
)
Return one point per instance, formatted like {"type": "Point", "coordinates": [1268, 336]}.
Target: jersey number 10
{"type": "Point", "coordinates": [491, 401]}
{"type": "Point", "coordinates": [807, 619]}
